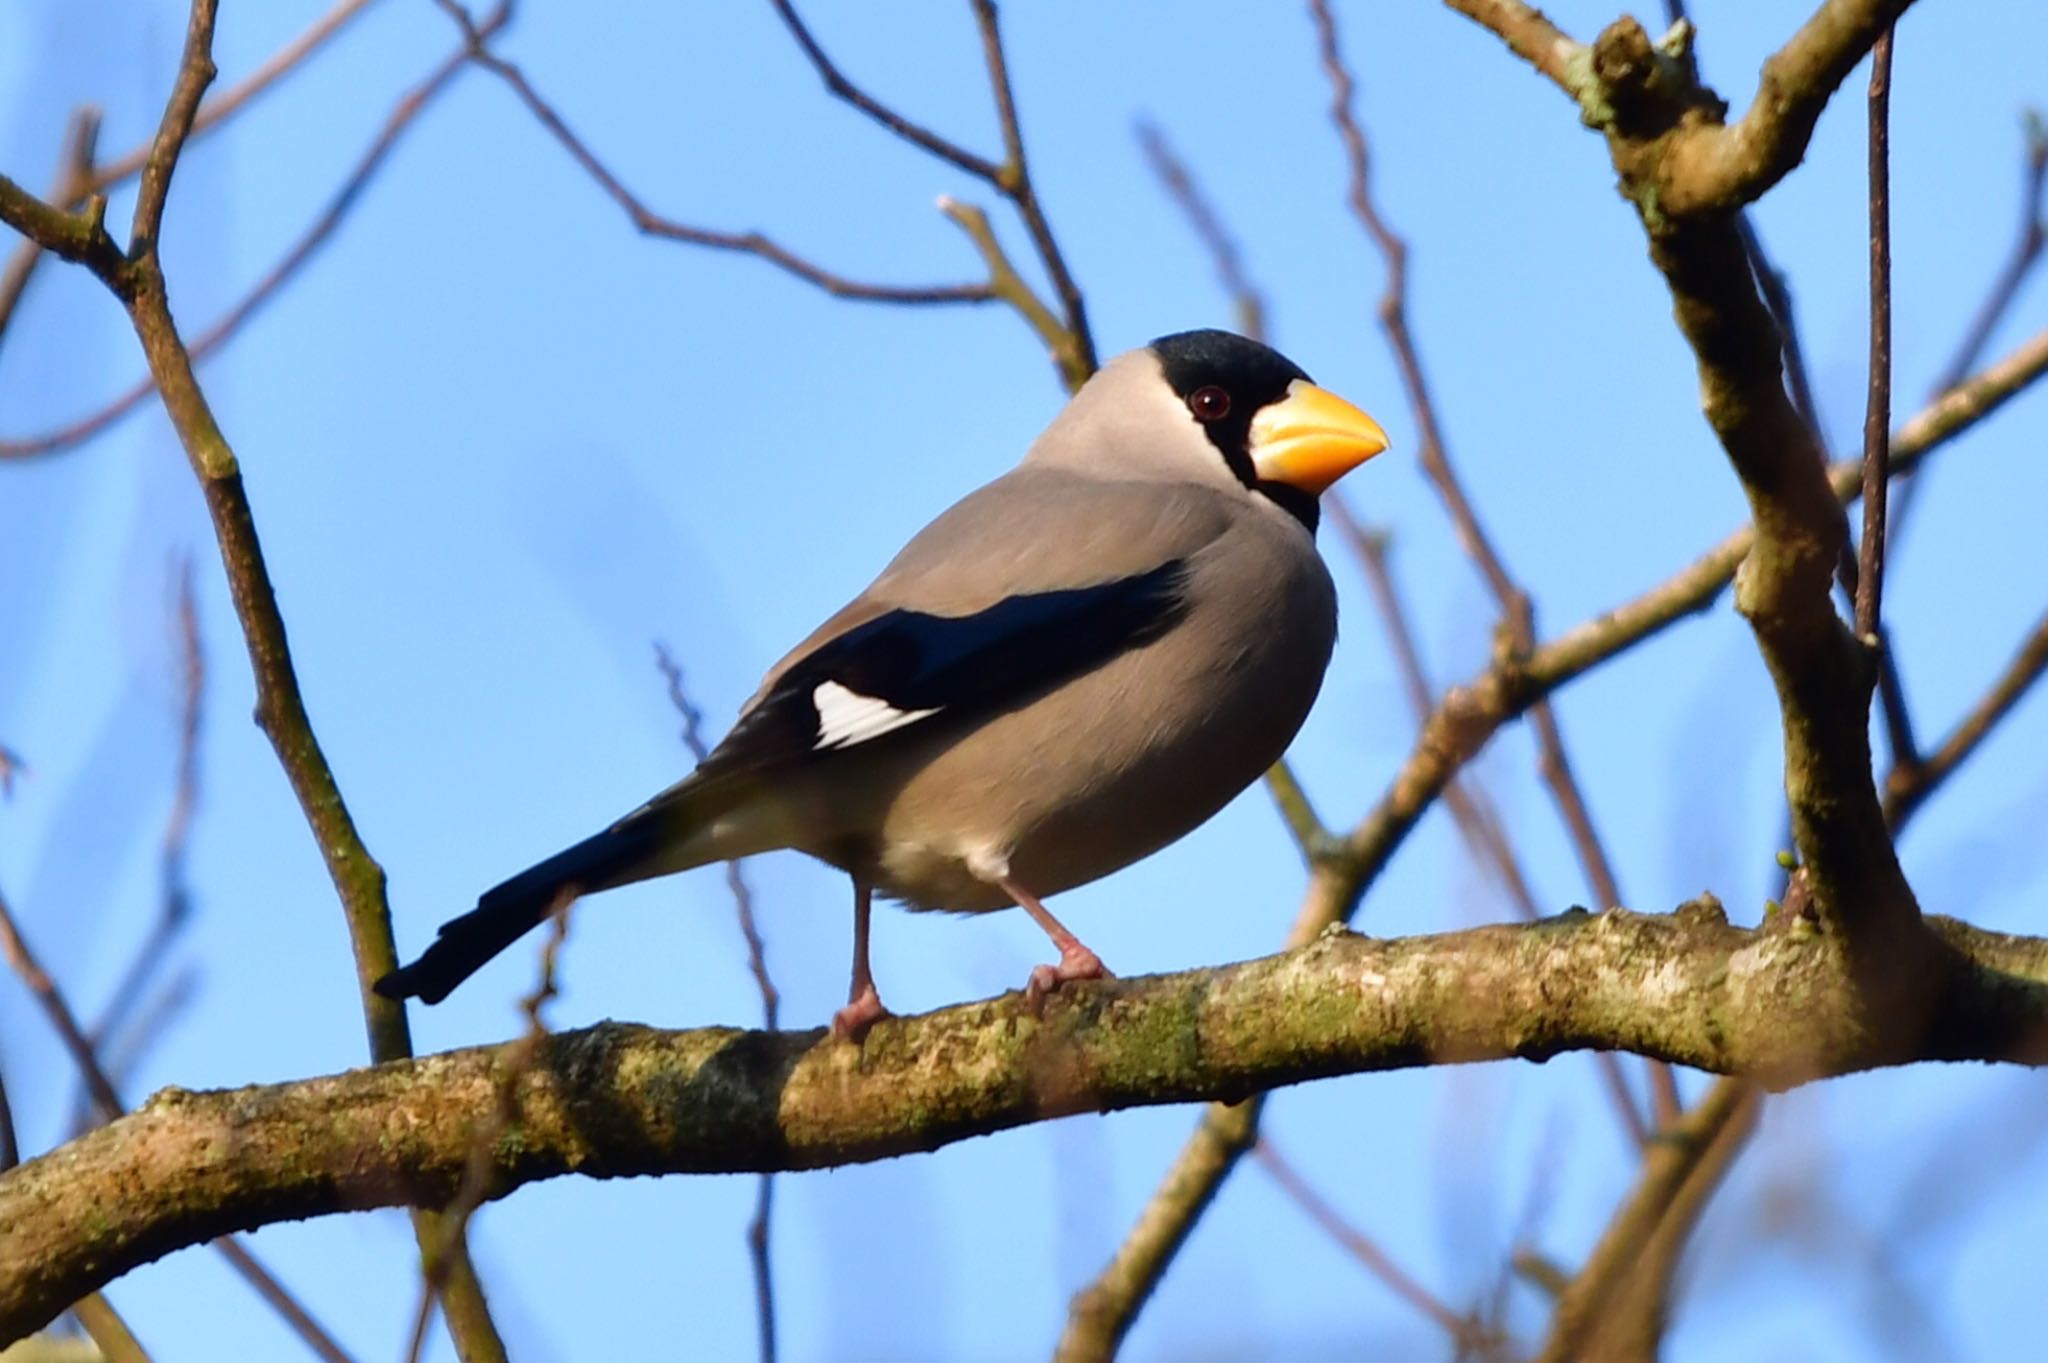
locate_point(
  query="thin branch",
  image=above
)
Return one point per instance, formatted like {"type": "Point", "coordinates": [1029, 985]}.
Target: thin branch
{"type": "Point", "coordinates": [2026, 253]}
{"type": "Point", "coordinates": [1005, 283]}
{"type": "Point", "coordinates": [1909, 786]}
{"type": "Point", "coordinates": [654, 224]}
{"type": "Point", "coordinates": [1777, 295]}
{"type": "Point", "coordinates": [1076, 356]}
{"type": "Point", "coordinates": [195, 73]}
{"type": "Point", "coordinates": [74, 171]}
{"type": "Point", "coordinates": [227, 103]}
{"type": "Point", "coordinates": [980, 167]}
{"type": "Point", "coordinates": [1068, 338]}
{"type": "Point", "coordinates": [109, 1333]}
{"type": "Point", "coordinates": [758, 1230]}
{"type": "Point", "coordinates": [174, 900]}
{"type": "Point", "coordinates": [1529, 34]}
{"type": "Point", "coordinates": [1878, 412]}
{"type": "Point", "coordinates": [401, 118]}
{"type": "Point", "coordinates": [2027, 249]}
{"type": "Point", "coordinates": [15, 950]}
{"type": "Point", "coordinates": [1246, 300]}
{"type": "Point", "coordinates": [619, 1100]}
{"type": "Point", "coordinates": [1464, 1331]}
{"type": "Point", "coordinates": [1624, 1285]}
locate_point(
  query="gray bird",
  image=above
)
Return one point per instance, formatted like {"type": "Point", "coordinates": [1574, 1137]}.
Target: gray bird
{"type": "Point", "coordinates": [1072, 667]}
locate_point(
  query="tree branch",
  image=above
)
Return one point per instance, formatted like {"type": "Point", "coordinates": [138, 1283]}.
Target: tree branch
{"type": "Point", "coordinates": [617, 1100]}
{"type": "Point", "coordinates": [1616, 1307]}
{"type": "Point", "coordinates": [654, 224]}
{"type": "Point", "coordinates": [1909, 785]}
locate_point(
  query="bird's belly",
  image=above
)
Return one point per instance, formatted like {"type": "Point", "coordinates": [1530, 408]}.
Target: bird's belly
{"type": "Point", "coordinates": [1083, 783]}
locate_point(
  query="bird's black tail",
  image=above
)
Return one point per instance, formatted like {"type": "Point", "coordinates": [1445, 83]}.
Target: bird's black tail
{"type": "Point", "coordinates": [503, 915]}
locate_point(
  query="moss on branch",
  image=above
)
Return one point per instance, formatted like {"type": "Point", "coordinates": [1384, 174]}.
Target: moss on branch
{"type": "Point", "coordinates": [618, 1099]}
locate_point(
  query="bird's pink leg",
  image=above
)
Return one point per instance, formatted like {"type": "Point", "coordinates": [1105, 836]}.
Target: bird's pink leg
{"type": "Point", "coordinates": [1077, 962]}
{"type": "Point", "coordinates": [863, 1002]}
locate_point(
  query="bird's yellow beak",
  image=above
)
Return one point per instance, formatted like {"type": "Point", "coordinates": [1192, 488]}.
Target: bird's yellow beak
{"type": "Point", "coordinates": [1310, 438]}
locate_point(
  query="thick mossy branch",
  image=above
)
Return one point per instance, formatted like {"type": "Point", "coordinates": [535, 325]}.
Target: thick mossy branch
{"type": "Point", "coordinates": [617, 1099]}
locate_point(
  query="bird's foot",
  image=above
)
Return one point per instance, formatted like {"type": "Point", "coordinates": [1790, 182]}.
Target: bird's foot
{"type": "Point", "coordinates": [1076, 963]}
{"type": "Point", "coordinates": [861, 1012]}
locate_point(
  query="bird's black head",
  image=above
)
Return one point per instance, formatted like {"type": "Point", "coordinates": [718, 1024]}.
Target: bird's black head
{"type": "Point", "coordinates": [1226, 380]}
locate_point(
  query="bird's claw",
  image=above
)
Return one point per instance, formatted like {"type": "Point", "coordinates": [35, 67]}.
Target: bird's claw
{"type": "Point", "coordinates": [861, 1012]}
{"type": "Point", "coordinates": [1076, 963]}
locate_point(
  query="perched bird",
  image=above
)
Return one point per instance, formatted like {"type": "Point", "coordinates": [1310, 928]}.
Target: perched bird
{"type": "Point", "coordinates": [1072, 667]}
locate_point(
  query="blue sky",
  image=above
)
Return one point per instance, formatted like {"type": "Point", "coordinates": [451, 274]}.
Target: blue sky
{"type": "Point", "coordinates": [497, 443]}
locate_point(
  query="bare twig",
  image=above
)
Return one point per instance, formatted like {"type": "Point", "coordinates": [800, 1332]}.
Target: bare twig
{"type": "Point", "coordinates": [11, 766]}
{"type": "Point", "coordinates": [653, 224]}
{"type": "Point", "coordinates": [1005, 283]}
{"type": "Point", "coordinates": [1878, 412]}
{"type": "Point", "coordinates": [224, 328]}
{"type": "Point", "coordinates": [1246, 300]}
{"type": "Point", "coordinates": [1067, 336]}
{"type": "Point", "coordinates": [1077, 355]}
{"type": "Point", "coordinates": [1908, 786]}
{"type": "Point", "coordinates": [1464, 1330]}
{"type": "Point", "coordinates": [1777, 295]}
{"type": "Point", "coordinates": [173, 894]}
{"type": "Point", "coordinates": [758, 1229]}
{"type": "Point", "coordinates": [74, 172]}
{"type": "Point", "coordinates": [229, 102]}
{"type": "Point", "coordinates": [195, 73]}
{"type": "Point", "coordinates": [515, 1061]}
{"type": "Point", "coordinates": [1624, 1285]}
{"type": "Point", "coordinates": [2026, 253]}
{"type": "Point", "coordinates": [980, 167]}
{"type": "Point", "coordinates": [2027, 250]}
{"type": "Point", "coordinates": [14, 949]}
{"type": "Point", "coordinates": [109, 1333]}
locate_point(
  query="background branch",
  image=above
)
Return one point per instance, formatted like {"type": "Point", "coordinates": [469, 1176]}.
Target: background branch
{"type": "Point", "coordinates": [15, 950]}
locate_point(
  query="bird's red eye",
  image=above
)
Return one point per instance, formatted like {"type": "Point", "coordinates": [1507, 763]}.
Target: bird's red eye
{"type": "Point", "coordinates": [1209, 404]}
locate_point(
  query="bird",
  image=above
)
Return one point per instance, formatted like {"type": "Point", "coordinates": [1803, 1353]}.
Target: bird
{"type": "Point", "coordinates": [1073, 666]}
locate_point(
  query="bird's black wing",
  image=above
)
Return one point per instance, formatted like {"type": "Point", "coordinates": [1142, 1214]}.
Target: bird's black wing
{"type": "Point", "coordinates": [905, 669]}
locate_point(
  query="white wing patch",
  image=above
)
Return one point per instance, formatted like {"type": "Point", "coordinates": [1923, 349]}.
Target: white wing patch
{"type": "Point", "coordinates": [847, 717]}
